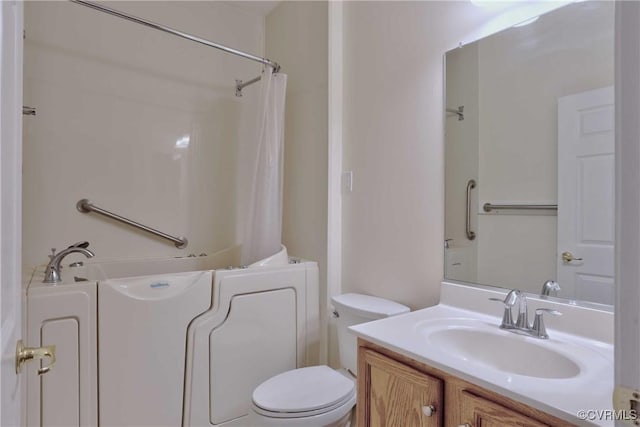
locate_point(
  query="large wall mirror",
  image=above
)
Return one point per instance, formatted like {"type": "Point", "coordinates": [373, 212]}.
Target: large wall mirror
{"type": "Point", "coordinates": [529, 185]}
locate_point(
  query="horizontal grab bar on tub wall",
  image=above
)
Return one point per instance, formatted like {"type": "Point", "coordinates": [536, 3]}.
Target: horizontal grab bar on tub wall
{"type": "Point", "coordinates": [85, 206]}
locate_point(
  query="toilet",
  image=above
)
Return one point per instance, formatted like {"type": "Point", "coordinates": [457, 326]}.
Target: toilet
{"type": "Point", "coordinates": [319, 396]}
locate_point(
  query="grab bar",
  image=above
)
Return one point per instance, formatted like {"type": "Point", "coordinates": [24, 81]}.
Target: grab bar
{"type": "Point", "coordinates": [488, 207]}
{"type": "Point", "coordinates": [470, 185]}
{"type": "Point", "coordinates": [85, 206]}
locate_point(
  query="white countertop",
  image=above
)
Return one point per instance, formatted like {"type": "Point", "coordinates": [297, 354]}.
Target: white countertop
{"type": "Point", "coordinates": [591, 389]}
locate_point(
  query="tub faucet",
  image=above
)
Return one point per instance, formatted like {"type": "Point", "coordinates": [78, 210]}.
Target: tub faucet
{"type": "Point", "coordinates": [52, 272]}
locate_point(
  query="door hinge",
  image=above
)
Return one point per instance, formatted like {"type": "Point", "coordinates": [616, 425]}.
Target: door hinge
{"type": "Point", "coordinates": [626, 404]}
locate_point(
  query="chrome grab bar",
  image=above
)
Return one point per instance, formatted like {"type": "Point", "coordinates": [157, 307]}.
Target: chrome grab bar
{"type": "Point", "coordinates": [85, 206]}
{"type": "Point", "coordinates": [488, 207]}
{"type": "Point", "coordinates": [470, 185]}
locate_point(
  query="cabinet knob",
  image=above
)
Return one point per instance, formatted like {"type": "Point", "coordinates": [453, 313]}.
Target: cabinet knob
{"type": "Point", "coordinates": [428, 410]}
{"type": "Point", "coordinates": [465, 425]}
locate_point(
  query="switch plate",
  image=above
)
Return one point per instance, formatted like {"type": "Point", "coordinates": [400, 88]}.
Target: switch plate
{"type": "Point", "coordinates": [347, 182]}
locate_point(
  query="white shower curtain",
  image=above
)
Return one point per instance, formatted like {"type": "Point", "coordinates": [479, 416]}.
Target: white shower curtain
{"type": "Point", "coordinates": [263, 220]}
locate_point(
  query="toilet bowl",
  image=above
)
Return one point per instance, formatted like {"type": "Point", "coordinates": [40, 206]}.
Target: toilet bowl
{"type": "Point", "coordinates": [319, 396]}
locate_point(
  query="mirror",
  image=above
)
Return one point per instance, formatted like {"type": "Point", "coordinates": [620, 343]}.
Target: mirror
{"type": "Point", "coordinates": [529, 163]}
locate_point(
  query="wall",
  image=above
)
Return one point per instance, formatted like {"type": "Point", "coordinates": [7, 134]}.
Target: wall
{"type": "Point", "coordinates": [142, 123]}
{"type": "Point", "coordinates": [297, 37]}
{"type": "Point", "coordinates": [393, 221]}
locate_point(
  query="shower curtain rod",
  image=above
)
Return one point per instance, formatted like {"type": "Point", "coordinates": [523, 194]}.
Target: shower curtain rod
{"type": "Point", "coordinates": [187, 36]}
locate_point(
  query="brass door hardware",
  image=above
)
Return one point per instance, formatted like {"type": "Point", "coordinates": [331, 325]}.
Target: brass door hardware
{"type": "Point", "coordinates": [24, 354]}
{"type": "Point", "coordinates": [567, 257]}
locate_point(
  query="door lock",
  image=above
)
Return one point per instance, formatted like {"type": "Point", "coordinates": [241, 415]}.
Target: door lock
{"type": "Point", "coordinates": [24, 354]}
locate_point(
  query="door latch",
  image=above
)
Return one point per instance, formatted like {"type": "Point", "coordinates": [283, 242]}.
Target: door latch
{"type": "Point", "coordinates": [24, 354]}
{"type": "Point", "coordinates": [626, 404]}
{"type": "Point", "coordinates": [567, 257]}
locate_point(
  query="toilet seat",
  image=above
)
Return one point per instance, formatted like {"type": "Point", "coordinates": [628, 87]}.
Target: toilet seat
{"type": "Point", "coordinates": [303, 392]}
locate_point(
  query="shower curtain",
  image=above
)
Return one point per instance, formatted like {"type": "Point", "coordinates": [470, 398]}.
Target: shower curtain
{"type": "Point", "coordinates": [263, 227]}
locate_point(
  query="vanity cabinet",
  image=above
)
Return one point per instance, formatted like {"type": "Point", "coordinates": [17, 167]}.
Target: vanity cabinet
{"type": "Point", "coordinates": [395, 390]}
{"type": "Point", "coordinates": [398, 395]}
{"type": "Point", "coordinates": [477, 411]}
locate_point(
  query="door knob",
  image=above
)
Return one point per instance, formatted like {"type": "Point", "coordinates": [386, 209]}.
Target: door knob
{"type": "Point", "coordinates": [428, 410]}
{"type": "Point", "coordinates": [567, 257]}
{"type": "Point", "coordinates": [24, 354]}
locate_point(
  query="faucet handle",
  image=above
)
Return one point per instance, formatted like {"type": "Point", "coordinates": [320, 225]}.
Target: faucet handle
{"type": "Point", "coordinates": [83, 245]}
{"type": "Point", "coordinates": [538, 323]}
{"type": "Point", "coordinates": [510, 299]}
{"type": "Point", "coordinates": [507, 318]}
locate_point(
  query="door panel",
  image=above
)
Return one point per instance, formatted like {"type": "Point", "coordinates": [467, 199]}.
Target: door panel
{"type": "Point", "coordinates": [586, 179]}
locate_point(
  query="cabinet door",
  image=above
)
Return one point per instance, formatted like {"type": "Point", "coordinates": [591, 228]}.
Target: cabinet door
{"type": "Point", "coordinates": [479, 412]}
{"type": "Point", "coordinates": [394, 394]}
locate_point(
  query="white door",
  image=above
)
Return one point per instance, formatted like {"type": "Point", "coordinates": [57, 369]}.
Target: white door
{"type": "Point", "coordinates": [10, 207]}
{"type": "Point", "coordinates": [586, 188]}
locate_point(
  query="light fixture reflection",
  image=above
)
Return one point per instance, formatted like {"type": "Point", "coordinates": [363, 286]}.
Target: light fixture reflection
{"type": "Point", "coordinates": [183, 142]}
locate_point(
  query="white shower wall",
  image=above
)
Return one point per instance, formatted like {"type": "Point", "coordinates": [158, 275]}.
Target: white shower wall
{"type": "Point", "coordinates": [140, 122]}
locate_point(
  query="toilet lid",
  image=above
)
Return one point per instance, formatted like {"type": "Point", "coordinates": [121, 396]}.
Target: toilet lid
{"type": "Point", "coordinates": [303, 390]}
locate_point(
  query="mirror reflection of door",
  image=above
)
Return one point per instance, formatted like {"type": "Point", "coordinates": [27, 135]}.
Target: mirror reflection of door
{"type": "Point", "coordinates": [586, 195]}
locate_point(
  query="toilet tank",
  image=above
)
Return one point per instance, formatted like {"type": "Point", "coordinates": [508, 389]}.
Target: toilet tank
{"type": "Point", "coordinates": [353, 309]}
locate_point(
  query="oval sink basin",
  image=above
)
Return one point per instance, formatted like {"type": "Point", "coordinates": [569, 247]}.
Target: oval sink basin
{"type": "Point", "coordinates": [511, 354]}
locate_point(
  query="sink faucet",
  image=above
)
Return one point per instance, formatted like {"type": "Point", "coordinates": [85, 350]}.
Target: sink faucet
{"type": "Point", "coordinates": [550, 288]}
{"type": "Point", "coordinates": [52, 272]}
{"type": "Point", "coordinates": [521, 326]}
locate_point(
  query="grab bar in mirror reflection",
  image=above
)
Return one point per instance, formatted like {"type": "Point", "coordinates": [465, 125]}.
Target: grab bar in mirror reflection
{"type": "Point", "coordinates": [470, 185]}
{"type": "Point", "coordinates": [488, 207]}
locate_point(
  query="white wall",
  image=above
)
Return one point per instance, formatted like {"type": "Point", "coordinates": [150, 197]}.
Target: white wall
{"type": "Point", "coordinates": [113, 99]}
{"type": "Point", "coordinates": [297, 37]}
{"type": "Point", "coordinates": [393, 221]}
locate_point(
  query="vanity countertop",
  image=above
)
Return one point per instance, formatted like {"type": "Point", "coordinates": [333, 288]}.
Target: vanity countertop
{"type": "Point", "coordinates": [566, 398]}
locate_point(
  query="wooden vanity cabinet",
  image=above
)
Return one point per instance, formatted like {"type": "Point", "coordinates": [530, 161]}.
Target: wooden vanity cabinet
{"type": "Point", "coordinates": [394, 391]}
{"type": "Point", "coordinates": [398, 395]}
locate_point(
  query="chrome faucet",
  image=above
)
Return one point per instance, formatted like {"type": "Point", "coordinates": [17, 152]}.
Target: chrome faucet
{"type": "Point", "coordinates": [52, 272]}
{"type": "Point", "coordinates": [521, 326]}
{"type": "Point", "coordinates": [550, 288]}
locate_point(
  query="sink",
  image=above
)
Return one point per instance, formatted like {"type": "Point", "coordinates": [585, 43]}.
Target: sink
{"type": "Point", "coordinates": [504, 351]}
{"type": "Point", "coordinates": [562, 375]}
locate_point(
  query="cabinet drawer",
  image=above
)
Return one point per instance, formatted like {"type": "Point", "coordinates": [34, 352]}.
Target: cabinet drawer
{"type": "Point", "coordinates": [477, 411]}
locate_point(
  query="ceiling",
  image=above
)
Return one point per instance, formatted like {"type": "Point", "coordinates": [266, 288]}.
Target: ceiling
{"type": "Point", "coordinates": [255, 7]}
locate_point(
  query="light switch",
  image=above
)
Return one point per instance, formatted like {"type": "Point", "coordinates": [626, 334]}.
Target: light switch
{"type": "Point", "coordinates": [347, 182]}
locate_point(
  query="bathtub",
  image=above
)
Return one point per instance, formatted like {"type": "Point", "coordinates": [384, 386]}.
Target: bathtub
{"type": "Point", "coordinates": [168, 342]}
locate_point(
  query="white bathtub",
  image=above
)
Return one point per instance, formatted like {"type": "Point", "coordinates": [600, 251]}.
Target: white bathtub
{"type": "Point", "coordinates": [147, 343]}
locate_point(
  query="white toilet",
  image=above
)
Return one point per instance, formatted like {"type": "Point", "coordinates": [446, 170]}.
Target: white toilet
{"type": "Point", "coordinates": [319, 396]}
